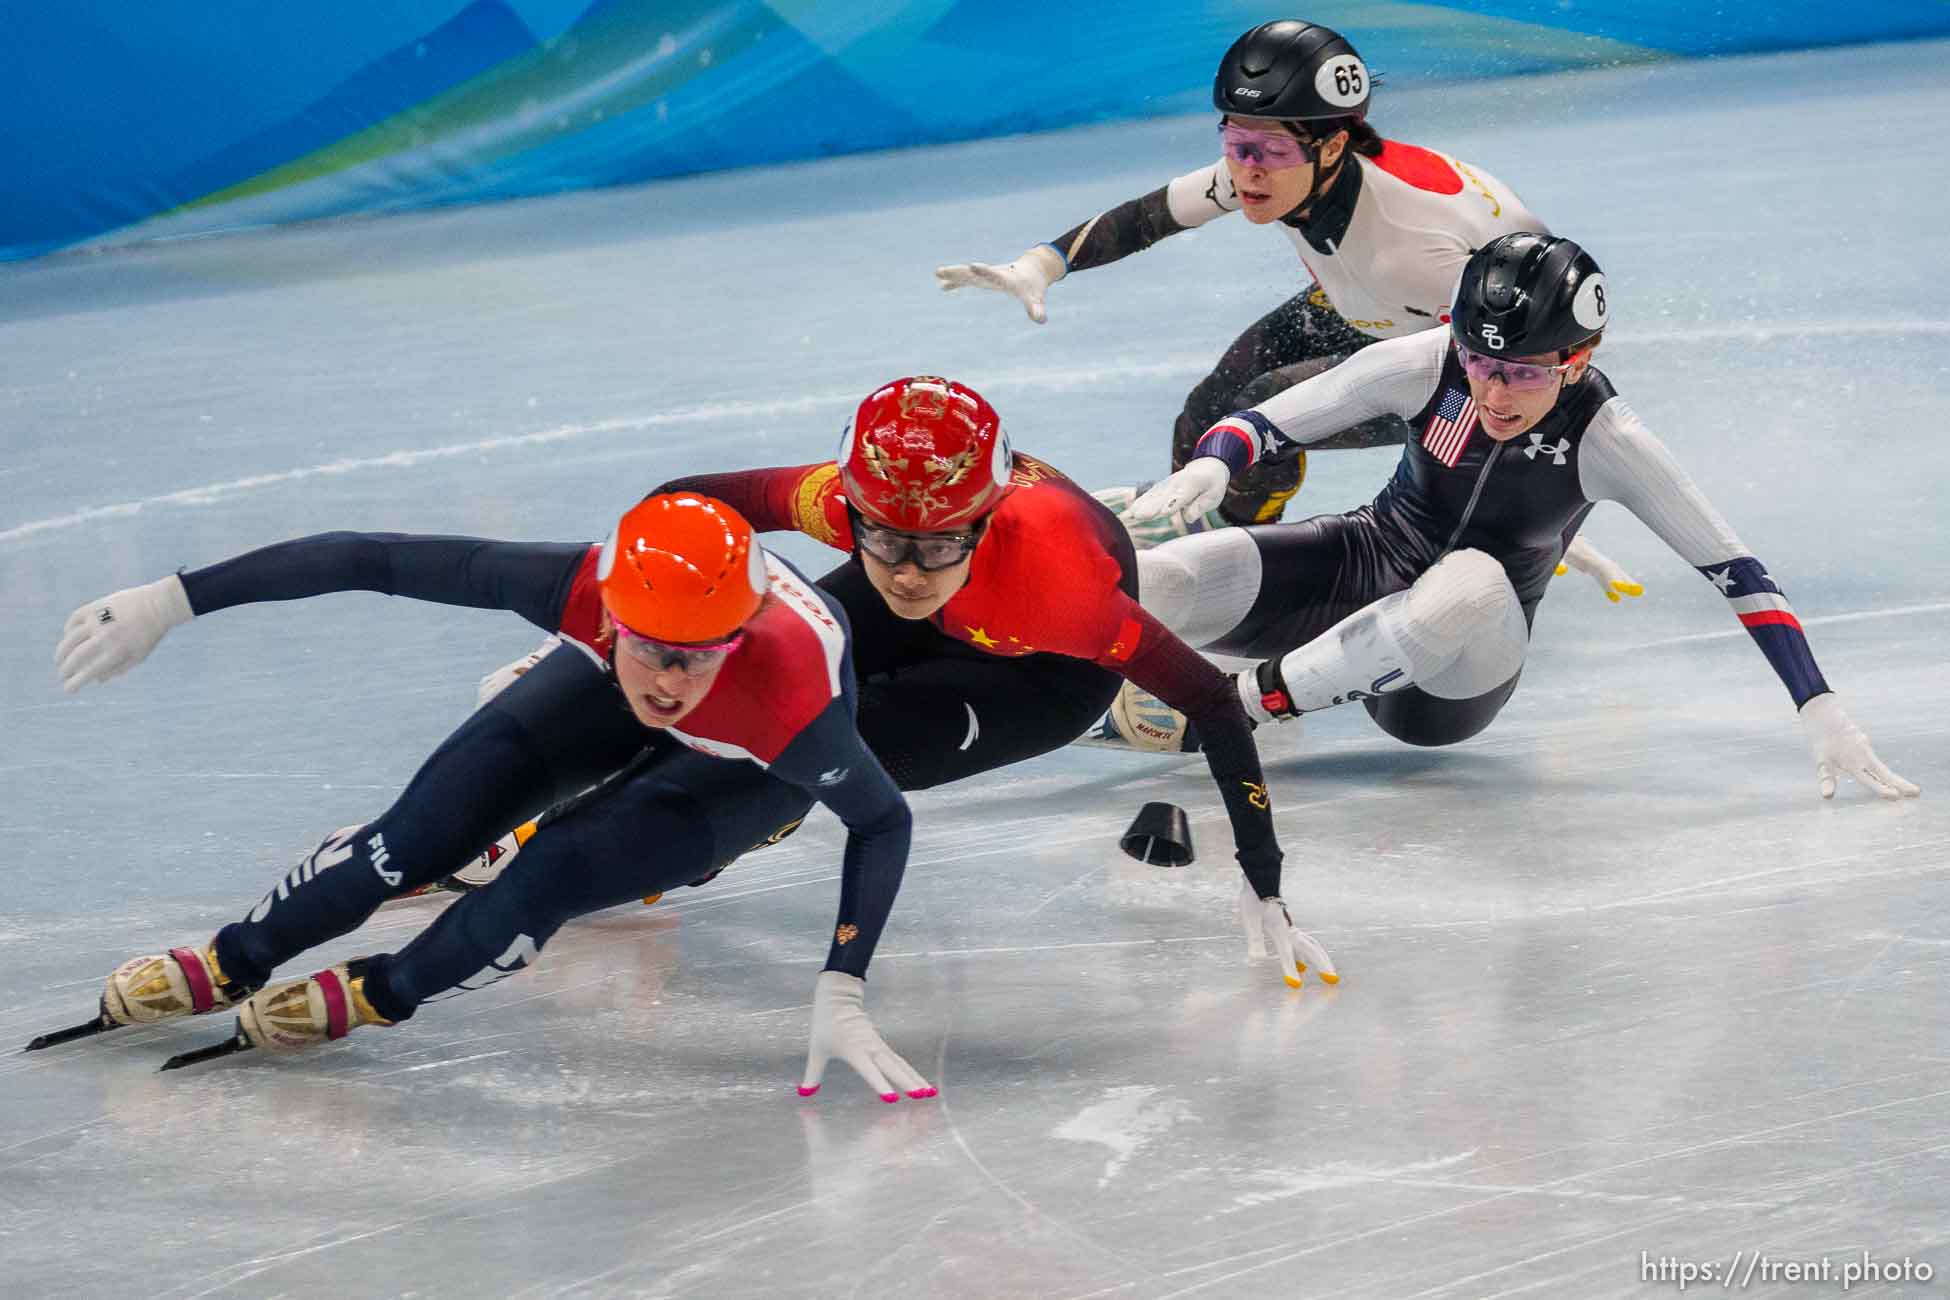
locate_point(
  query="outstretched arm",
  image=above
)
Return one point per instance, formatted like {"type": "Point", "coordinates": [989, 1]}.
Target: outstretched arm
{"type": "Point", "coordinates": [1153, 658]}
{"type": "Point", "coordinates": [793, 498]}
{"type": "Point", "coordinates": [1621, 460]}
{"type": "Point", "coordinates": [1394, 377]}
{"type": "Point", "coordinates": [1190, 200]}
{"type": "Point", "coordinates": [829, 759]}
{"type": "Point", "coordinates": [110, 635]}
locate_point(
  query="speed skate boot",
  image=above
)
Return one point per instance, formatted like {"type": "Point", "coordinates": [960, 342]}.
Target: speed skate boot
{"type": "Point", "coordinates": [181, 982]}
{"type": "Point", "coordinates": [1138, 719]}
{"type": "Point", "coordinates": [304, 1013]}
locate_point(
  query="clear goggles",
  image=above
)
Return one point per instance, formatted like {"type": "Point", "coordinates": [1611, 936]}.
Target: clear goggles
{"type": "Point", "coordinates": [1519, 376]}
{"type": "Point", "coordinates": [928, 552]}
{"type": "Point", "coordinates": [1273, 150]}
{"type": "Point", "coordinates": [691, 659]}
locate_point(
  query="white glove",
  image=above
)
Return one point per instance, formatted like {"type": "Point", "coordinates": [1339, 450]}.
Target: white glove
{"type": "Point", "coordinates": [503, 677]}
{"type": "Point", "coordinates": [1026, 279]}
{"type": "Point", "coordinates": [1589, 560]}
{"type": "Point", "coordinates": [1841, 746]}
{"type": "Point", "coordinates": [1266, 921]}
{"type": "Point", "coordinates": [1147, 533]}
{"type": "Point", "coordinates": [107, 637]}
{"type": "Point", "coordinates": [1186, 494]}
{"type": "Point", "coordinates": [840, 1028]}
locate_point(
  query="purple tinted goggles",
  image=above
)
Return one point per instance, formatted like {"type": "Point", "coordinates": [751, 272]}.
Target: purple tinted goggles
{"type": "Point", "coordinates": [1273, 150]}
{"type": "Point", "coordinates": [1517, 375]}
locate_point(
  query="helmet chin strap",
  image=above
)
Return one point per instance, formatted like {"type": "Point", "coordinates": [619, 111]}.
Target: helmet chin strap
{"type": "Point", "coordinates": [1321, 184]}
{"type": "Point", "coordinates": [1321, 181]}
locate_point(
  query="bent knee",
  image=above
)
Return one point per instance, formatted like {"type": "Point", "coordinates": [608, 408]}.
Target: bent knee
{"type": "Point", "coordinates": [1200, 586]}
{"type": "Point", "coordinates": [1467, 584]}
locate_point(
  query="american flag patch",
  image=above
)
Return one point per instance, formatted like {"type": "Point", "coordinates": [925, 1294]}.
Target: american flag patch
{"type": "Point", "coordinates": [1449, 428]}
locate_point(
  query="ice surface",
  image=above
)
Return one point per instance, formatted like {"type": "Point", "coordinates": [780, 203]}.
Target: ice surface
{"type": "Point", "coordinates": [1617, 981]}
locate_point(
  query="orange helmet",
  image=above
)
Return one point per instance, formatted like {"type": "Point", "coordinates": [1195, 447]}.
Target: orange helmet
{"type": "Point", "coordinates": [683, 568]}
{"type": "Point", "coordinates": [924, 454]}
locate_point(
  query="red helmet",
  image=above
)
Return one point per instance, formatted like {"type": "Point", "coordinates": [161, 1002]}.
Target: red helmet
{"type": "Point", "coordinates": [924, 454]}
{"type": "Point", "coordinates": [682, 567]}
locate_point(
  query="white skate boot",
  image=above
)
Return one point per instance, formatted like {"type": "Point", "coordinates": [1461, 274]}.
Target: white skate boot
{"type": "Point", "coordinates": [305, 1013]}
{"type": "Point", "coordinates": [1140, 720]}
{"type": "Point", "coordinates": [180, 982]}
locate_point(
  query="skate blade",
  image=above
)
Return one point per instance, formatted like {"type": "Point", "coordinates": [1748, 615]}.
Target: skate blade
{"type": "Point", "coordinates": [228, 1047]}
{"type": "Point", "coordinates": [100, 1024]}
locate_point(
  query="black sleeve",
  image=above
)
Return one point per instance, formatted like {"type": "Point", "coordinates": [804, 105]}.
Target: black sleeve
{"type": "Point", "coordinates": [830, 760]}
{"type": "Point", "coordinates": [531, 579]}
{"type": "Point", "coordinates": [1127, 228]}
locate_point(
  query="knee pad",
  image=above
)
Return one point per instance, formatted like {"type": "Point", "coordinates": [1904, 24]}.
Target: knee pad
{"type": "Point", "coordinates": [1449, 606]}
{"type": "Point", "coordinates": [1200, 586]}
{"type": "Point", "coordinates": [1465, 614]}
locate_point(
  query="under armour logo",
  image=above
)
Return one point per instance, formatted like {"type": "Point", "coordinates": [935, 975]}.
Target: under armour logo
{"type": "Point", "coordinates": [832, 776]}
{"type": "Point", "coordinates": [1538, 444]}
{"type": "Point", "coordinates": [104, 615]}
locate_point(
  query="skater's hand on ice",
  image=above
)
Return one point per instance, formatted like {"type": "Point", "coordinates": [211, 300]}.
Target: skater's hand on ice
{"type": "Point", "coordinates": [107, 637]}
{"type": "Point", "coordinates": [503, 677]}
{"type": "Point", "coordinates": [1841, 747]}
{"type": "Point", "coordinates": [1589, 560]}
{"type": "Point", "coordinates": [1026, 279]}
{"type": "Point", "coordinates": [1186, 494]}
{"type": "Point", "coordinates": [840, 1028]}
{"type": "Point", "coordinates": [1268, 926]}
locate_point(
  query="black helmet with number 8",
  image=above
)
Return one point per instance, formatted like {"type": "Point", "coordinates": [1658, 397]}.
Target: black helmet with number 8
{"type": "Point", "coordinates": [1293, 72]}
{"type": "Point", "coordinates": [1527, 294]}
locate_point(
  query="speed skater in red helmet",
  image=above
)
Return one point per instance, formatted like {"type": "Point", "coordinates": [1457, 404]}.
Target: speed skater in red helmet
{"type": "Point", "coordinates": [995, 611]}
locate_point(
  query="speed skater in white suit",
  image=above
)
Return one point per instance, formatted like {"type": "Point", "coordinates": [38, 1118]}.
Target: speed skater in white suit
{"type": "Point", "coordinates": [1382, 229]}
{"type": "Point", "coordinates": [1419, 604]}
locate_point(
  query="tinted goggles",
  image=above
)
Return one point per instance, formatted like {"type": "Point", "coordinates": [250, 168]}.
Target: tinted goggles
{"type": "Point", "coordinates": [692, 660]}
{"type": "Point", "coordinates": [1517, 375]}
{"type": "Point", "coordinates": [1273, 150]}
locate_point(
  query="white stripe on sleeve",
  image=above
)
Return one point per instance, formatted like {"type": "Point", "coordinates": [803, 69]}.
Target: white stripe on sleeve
{"type": "Point", "coordinates": [1392, 377]}
{"type": "Point", "coordinates": [1621, 460]}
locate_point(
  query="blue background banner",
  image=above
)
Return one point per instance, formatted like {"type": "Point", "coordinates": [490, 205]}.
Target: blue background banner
{"type": "Point", "coordinates": [122, 122]}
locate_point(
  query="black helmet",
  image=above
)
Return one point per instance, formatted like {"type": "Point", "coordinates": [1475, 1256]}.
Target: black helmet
{"type": "Point", "coordinates": [1294, 72]}
{"type": "Point", "coordinates": [1527, 294]}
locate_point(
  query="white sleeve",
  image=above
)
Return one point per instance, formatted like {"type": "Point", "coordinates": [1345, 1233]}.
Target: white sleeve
{"type": "Point", "coordinates": [1392, 377]}
{"type": "Point", "coordinates": [1621, 460]}
{"type": "Point", "coordinates": [1197, 197]}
